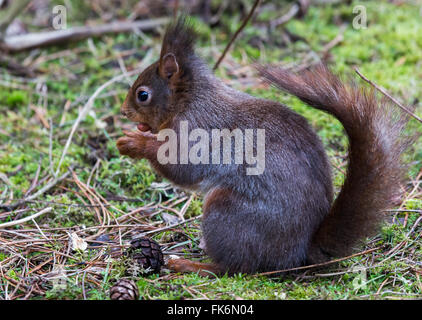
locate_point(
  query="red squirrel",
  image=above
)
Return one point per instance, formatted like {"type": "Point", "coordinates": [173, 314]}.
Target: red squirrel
{"type": "Point", "coordinates": [286, 216]}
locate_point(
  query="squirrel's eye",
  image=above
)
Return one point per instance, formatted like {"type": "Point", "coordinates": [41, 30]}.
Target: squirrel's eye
{"type": "Point", "coordinates": [143, 95]}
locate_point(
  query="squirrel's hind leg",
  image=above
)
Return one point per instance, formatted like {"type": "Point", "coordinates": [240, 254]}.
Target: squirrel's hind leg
{"type": "Point", "coordinates": [185, 266]}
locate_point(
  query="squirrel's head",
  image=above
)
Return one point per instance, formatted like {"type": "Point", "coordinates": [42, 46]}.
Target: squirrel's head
{"type": "Point", "coordinates": [158, 92]}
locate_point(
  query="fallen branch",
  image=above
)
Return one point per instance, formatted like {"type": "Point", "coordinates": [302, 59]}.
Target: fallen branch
{"type": "Point", "coordinates": [385, 93]}
{"type": "Point", "coordinates": [23, 220]}
{"type": "Point", "coordinates": [36, 40]}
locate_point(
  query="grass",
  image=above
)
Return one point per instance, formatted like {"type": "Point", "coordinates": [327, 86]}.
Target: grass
{"type": "Point", "coordinates": [35, 124]}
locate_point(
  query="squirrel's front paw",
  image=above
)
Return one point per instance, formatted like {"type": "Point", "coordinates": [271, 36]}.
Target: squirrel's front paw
{"type": "Point", "coordinates": [128, 147]}
{"type": "Point", "coordinates": [135, 144]}
{"type": "Point", "coordinates": [131, 145]}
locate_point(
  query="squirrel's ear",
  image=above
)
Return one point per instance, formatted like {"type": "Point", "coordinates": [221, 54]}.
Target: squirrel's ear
{"type": "Point", "coordinates": [168, 66]}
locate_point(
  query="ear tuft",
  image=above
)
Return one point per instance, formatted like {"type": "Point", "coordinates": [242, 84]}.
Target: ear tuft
{"type": "Point", "coordinates": [177, 48]}
{"type": "Point", "coordinates": [169, 66]}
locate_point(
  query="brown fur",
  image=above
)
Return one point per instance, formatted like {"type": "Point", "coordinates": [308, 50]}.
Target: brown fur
{"type": "Point", "coordinates": [374, 173]}
{"type": "Point", "coordinates": [183, 266]}
{"type": "Point", "coordinates": [284, 217]}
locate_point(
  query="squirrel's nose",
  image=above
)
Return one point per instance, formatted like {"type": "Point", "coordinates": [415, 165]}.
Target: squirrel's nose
{"type": "Point", "coordinates": [123, 112]}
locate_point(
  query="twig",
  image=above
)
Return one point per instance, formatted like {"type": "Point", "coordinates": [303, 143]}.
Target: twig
{"type": "Point", "coordinates": [245, 22]}
{"type": "Point", "coordinates": [65, 109]}
{"type": "Point", "coordinates": [168, 227]}
{"type": "Point", "coordinates": [316, 265]}
{"type": "Point", "coordinates": [185, 207]}
{"type": "Point", "coordinates": [414, 226]}
{"type": "Point", "coordinates": [50, 146]}
{"type": "Point", "coordinates": [47, 187]}
{"type": "Point", "coordinates": [87, 194]}
{"type": "Point", "coordinates": [294, 10]}
{"type": "Point", "coordinates": [34, 182]}
{"type": "Point", "coordinates": [403, 210]}
{"type": "Point", "coordinates": [384, 92]}
{"type": "Point", "coordinates": [88, 107]}
{"type": "Point", "coordinates": [15, 67]}
{"type": "Point", "coordinates": [416, 186]}
{"type": "Point", "coordinates": [23, 220]}
{"type": "Point", "coordinates": [39, 192]}
{"type": "Point", "coordinates": [215, 18]}
{"type": "Point", "coordinates": [36, 40]}
{"type": "Point", "coordinates": [338, 39]}
{"type": "Point", "coordinates": [55, 203]}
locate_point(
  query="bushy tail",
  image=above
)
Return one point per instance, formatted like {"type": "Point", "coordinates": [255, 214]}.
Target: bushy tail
{"type": "Point", "coordinates": [374, 172]}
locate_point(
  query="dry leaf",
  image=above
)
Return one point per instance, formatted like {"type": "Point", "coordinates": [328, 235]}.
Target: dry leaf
{"type": "Point", "coordinates": [77, 242]}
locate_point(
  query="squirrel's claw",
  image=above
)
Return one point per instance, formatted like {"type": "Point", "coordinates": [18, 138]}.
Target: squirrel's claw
{"type": "Point", "coordinates": [139, 134]}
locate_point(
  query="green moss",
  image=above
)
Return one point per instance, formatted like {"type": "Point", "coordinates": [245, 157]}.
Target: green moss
{"type": "Point", "coordinates": [388, 52]}
{"type": "Point", "coordinates": [17, 98]}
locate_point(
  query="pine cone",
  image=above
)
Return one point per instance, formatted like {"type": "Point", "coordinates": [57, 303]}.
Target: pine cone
{"type": "Point", "coordinates": [124, 290]}
{"type": "Point", "coordinates": [147, 253]}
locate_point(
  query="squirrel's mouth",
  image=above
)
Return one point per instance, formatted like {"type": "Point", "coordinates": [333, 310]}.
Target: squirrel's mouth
{"type": "Point", "coordinates": [143, 127]}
